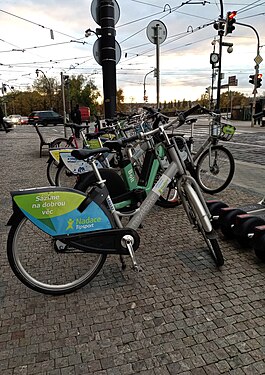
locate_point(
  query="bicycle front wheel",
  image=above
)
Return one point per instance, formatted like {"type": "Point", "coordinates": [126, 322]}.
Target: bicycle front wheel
{"type": "Point", "coordinates": [46, 265]}
{"type": "Point", "coordinates": [52, 165]}
{"type": "Point", "coordinates": [64, 177]}
{"type": "Point", "coordinates": [200, 220]}
{"type": "Point", "coordinates": [215, 169]}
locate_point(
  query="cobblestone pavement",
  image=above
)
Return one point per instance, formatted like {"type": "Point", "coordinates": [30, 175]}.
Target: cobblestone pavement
{"type": "Point", "coordinates": [180, 316]}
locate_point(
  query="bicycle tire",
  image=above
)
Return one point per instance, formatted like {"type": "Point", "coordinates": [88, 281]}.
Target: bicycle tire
{"type": "Point", "coordinates": [45, 268]}
{"type": "Point", "coordinates": [114, 183]}
{"type": "Point", "coordinates": [53, 164]}
{"type": "Point", "coordinates": [215, 180]}
{"type": "Point", "coordinates": [198, 213]}
{"type": "Point", "coordinates": [170, 198]}
{"type": "Point", "coordinates": [64, 177]}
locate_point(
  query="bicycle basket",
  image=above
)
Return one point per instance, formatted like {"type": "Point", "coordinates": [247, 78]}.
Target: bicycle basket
{"type": "Point", "coordinates": [227, 132]}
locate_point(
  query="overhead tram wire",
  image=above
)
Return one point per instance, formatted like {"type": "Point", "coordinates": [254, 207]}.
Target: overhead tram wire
{"type": "Point", "coordinates": [43, 27]}
{"type": "Point", "coordinates": [37, 24]}
{"type": "Point", "coordinates": [171, 41]}
{"type": "Point", "coordinates": [247, 7]}
{"type": "Point", "coordinates": [172, 10]}
{"type": "Point", "coordinates": [44, 46]}
{"type": "Point", "coordinates": [48, 61]}
{"type": "Point", "coordinates": [145, 3]}
{"type": "Point", "coordinates": [151, 15]}
{"type": "Point", "coordinates": [253, 15]}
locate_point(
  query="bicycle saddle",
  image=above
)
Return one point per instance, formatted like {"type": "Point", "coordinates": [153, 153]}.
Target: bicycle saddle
{"type": "Point", "coordinates": [82, 154]}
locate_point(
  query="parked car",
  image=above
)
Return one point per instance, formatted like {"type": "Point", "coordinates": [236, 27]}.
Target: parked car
{"type": "Point", "coordinates": [14, 119]}
{"type": "Point", "coordinates": [23, 120]}
{"type": "Point", "coordinates": [11, 121]}
{"type": "Point", "coordinates": [45, 118]}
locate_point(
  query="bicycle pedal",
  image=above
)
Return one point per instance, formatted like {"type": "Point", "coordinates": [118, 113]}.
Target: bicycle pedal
{"type": "Point", "coordinates": [137, 268]}
{"type": "Point", "coordinates": [60, 246]}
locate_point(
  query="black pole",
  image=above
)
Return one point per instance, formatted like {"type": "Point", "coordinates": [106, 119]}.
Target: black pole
{"type": "Point", "coordinates": [108, 56]}
{"type": "Point", "coordinates": [256, 72]}
{"type": "Point", "coordinates": [221, 33]}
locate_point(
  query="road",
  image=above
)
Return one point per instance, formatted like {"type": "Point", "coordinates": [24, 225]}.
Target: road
{"type": "Point", "coordinates": [247, 147]}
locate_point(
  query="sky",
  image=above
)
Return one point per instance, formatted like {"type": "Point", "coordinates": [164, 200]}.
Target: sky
{"type": "Point", "coordinates": [50, 35]}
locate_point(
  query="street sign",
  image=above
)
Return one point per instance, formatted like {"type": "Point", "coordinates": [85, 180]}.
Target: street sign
{"type": "Point", "coordinates": [156, 29]}
{"type": "Point", "coordinates": [95, 8]}
{"type": "Point", "coordinates": [258, 59]}
{"type": "Point", "coordinates": [97, 51]}
{"type": "Point", "coordinates": [232, 81]}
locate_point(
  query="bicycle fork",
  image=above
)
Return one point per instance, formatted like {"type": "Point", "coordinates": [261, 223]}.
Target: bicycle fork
{"type": "Point", "coordinates": [187, 185]}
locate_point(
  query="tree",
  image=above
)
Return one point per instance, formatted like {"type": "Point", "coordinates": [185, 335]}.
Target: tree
{"type": "Point", "coordinates": [120, 100]}
{"type": "Point", "coordinates": [83, 92]}
{"type": "Point", "coordinates": [237, 98]}
{"type": "Point", "coordinates": [48, 87]}
{"type": "Point", "coordinates": [204, 100]}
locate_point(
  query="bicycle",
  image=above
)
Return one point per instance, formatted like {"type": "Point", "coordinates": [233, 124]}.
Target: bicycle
{"type": "Point", "coordinates": [64, 145]}
{"type": "Point", "coordinates": [212, 165]}
{"type": "Point", "coordinates": [59, 144]}
{"type": "Point", "coordinates": [130, 175]}
{"type": "Point", "coordinates": [66, 223]}
{"type": "Point", "coordinates": [70, 170]}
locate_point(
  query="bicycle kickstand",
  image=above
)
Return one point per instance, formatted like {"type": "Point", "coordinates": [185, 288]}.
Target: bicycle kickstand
{"type": "Point", "coordinates": [128, 242]}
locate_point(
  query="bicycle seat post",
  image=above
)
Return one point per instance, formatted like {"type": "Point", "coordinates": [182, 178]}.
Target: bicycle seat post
{"type": "Point", "coordinates": [191, 136]}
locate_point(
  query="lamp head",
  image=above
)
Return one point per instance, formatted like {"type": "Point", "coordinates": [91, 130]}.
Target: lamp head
{"type": "Point", "coordinates": [88, 33]}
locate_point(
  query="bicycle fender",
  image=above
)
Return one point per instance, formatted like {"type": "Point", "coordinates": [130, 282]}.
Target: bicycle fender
{"type": "Point", "coordinates": [76, 166]}
{"type": "Point", "coordinates": [56, 211]}
{"type": "Point", "coordinates": [16, 215]}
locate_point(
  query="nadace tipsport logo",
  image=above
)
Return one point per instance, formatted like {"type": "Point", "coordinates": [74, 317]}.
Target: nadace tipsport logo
{"type": "Point", "coordinates": [83, 223]}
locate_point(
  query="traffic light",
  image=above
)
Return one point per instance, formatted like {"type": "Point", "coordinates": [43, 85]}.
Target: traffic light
{"type": "Point", "coordinates": [3, 88]}
{"type": "Point", "coordinates": [219, 26]}
{"type": "Point", "coordinates": [259, 79]}
{"type": "Point", "coordinates": [146, 98]}
{"type": "Point", "coordinates": [252, 79]}
{"type": "Point", "coordinates": [230, 20]}
{"type": "Point", "coordinates": [66, 80]}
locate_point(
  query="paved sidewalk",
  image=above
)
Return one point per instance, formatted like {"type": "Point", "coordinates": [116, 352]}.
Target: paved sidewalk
{"type": "Point", "coordinates": [180, 316]}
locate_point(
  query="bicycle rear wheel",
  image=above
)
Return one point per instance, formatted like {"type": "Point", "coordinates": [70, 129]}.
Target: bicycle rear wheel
{"type": "Point", "coordinates": [52, 165]}
{"type": "Point", "coordinates": [46, 265]}
{"type": "Point", "coordinates": [215, 169]}
{"type": "Point", "coordinates": [198, 215]}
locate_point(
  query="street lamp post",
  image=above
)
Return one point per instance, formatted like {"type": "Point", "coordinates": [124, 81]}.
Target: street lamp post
{"type": "Point", "coordinates": [256, 71]}
{"type": "Point", "coordinates": [4, 85]}
{"type": "Point", "coordinates": [145, 81]}
{"type": "Point", "coordinates": [49, 84]}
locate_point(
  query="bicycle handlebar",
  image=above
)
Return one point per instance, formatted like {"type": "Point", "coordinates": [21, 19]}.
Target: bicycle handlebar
{"type": "Point", "coordinates": [76, 126]}
{"type": "Point", "coordinates": [181, 117]}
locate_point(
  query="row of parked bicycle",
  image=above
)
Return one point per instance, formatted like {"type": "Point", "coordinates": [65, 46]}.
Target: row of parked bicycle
{"type": "Point", "coordinates": [101, 193]}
